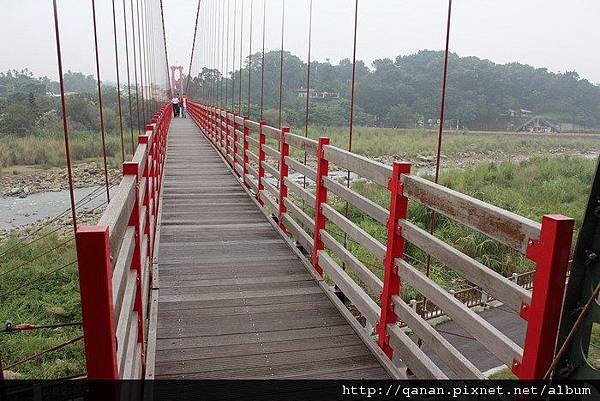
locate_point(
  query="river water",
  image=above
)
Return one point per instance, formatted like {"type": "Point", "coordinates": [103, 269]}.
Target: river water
{"type": "Point", "coordinates": [16, 212]}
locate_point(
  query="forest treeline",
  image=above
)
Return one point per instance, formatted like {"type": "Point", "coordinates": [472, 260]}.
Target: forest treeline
{"type": "Point", "coordinates": [400, 92]}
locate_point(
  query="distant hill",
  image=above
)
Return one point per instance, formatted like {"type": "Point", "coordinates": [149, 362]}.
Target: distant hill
{"type": "Point", "coordinates": [401, 91]}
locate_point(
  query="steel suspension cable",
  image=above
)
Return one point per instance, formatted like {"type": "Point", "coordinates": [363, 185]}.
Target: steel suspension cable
{"type": "Point", "coordinates": [128, 77]}
{"type": "Point", "coordinates": [441, 125]}
{"type": "Point", "coordinates": [221, 53]}
{"type": "Point", "coordinates": [64, 115]}
{"type": "Point", "coordinates": [262, 67]}
{"type": "Point", "coordinates": [114, 15]}
{"type": "Point", "coordinates": [100, 106]}
{"type": "Point", "coordinates": [281, 65]}
{"type": "Point", "coordinates": [306, 115]}
{"type": "Point", "coordinates": [250, 56]}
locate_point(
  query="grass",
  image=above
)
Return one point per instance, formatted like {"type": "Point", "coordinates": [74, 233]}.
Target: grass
{"type": "Point", "coordinates": [49, 150]}
{"type": "Point", "coordinates": [411, 143]}
{"type": "Point", "coordinates": [54, 299]}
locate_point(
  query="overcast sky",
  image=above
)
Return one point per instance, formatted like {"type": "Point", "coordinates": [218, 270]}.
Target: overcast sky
{"type": "Point", "coordinates": [559, 35]}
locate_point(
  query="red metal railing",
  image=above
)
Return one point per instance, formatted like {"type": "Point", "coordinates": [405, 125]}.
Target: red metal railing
{"type": "Point", "coordinates": [547, 244]}
{"type": "Point", "coordinates": [115, 262]}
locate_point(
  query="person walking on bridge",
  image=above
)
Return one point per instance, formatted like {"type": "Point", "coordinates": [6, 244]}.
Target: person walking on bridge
{"type": "Point", "coordinates": [183, 106]}
{"type": "Point", "coordinates": [175, 102]}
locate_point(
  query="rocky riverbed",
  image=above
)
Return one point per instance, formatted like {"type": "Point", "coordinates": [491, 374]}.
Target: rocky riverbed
{"type": "Point", "coordinates": [26, 181]}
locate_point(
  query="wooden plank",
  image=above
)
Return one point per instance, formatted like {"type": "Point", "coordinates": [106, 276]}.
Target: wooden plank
{"type": "Point", "coordinates": [269, 151]}
{"type": "Point", "coordinates": [353, 291]}
{"type": "Point", "coordinates": [252, 125]}
{"type": "Point", "coordinates": [354, 231]}
{"type": "Point", "coordinates": [301, 142]}
{"type": "Point", "coordinates": [298, 233]}
{"type": "Point", "coordinates": [490, 337]}
{"type": "Point", "coordinates": [272, 190]}
{"type": "Point", "coordinates": [442, 347]}
{"type": "Point", "coordinates": [270, 169]}
{"type": "Point", "coordinates": [126, 310]}
{"type": "Point", "coordinates": [301, 168]}
{"type": "Point", "coordinates": [121, 268]}
{"type": "Point", "coordinates": [371, 208]}
{"type": "Point", "coordinates": [117, 213]}
{"type": "Point", "coordinates": [252, 157]}
{"type": "Point", "coordinates": [126, 348]}
{"type": "Point", "coordinates": [361, 165]}
{"type": "Point", "coordinates": [300, 192]}
{"type": "Point", "coordinates": [140, 156]}
{"type": "Point", "coordinates": [501, 288]}
{"type": "Point", "coordinates": [268, 201]}
{"type": "Point", "coordinates": [305, 219]}
{"type": "Point", "coordinates": [271, 132]}
{"type": "Point", "coordinates": [412, 355]}
{"type": "Point", "coordinates": [373, 283]}
{"type": "Point", "coordinates": [253, 141]}
{"type": "Point", "coordinates": [504, 226]}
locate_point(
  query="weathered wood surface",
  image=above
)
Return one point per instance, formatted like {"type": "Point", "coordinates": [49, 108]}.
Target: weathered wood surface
{"type": "Point", "coordinates": [234, 300]}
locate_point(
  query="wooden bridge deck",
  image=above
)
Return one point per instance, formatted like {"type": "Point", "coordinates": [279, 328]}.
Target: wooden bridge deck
{"type": "Point", "coordinates": [234, 300]}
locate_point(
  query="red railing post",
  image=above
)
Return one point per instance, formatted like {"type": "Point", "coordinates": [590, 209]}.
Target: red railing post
{"type": "Point", "coordinates": [244, 154]}
{"type": "Point", "coordinates": [320, 199]}
{"type": "Point", "coordinates": [97, 307]}
{"type": "Point", "coordinates": [395, 249]}
{"type": "Point", "coordinates": [132, 168]}
{"type": "Point", "coordinates": [262, 140]}
{"type": "Point", "coordinates": [284, 150]}
{"type": "Point", "coordinates": [236, 127]}
{"type": "Point", "coordinates": [551, 255]}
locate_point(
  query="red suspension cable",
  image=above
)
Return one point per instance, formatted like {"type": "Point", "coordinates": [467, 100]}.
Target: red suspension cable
{"type": "Point", "coordinates": [135, 70]}
{"type": "Point", "coordinates": [306, 115]}
{"type": "Point", "coordinates": [193, 46]}
{"type": "Point", "coordinates": [241, 57]}
{"type": "Point", "coordinates": [100, 108]}
{"type": "Point", "coordinates": [128, 77]}
{"type": "Point", "coordinates": [281, 66]}
{"type": "Point", "coordinates": [262, 67]}
{"type": "Point", "coordinates": [233, 55]}
{"type": "Point", "coordinates": [64, 113]}
{"type": "Point", "coordinates": [118, 82]}
{"type": "Point", "coordinates": [441, 126]}
{"type": "Point", "coordinates": [250, 56]}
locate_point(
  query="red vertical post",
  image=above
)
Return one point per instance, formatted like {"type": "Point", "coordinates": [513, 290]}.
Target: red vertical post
{"type": "Point", "coordinates": [97, 308]}
{"type": "Point", "coordinates": [262, 140]}
{"type": "Point", "coordinates": [551, 255]}
{"type": "Point", "coordinates": [395, 249]}
{"type": "Point", "coordinates": [236, 127]}
{"type": "Point", "coordinates": [284, 150]}
{"type": "Point", "coordinates": [132, 168]}
{"type": "Point", "coordinates": [244, 153]}
{"type": "Point", "coordinates": [320, 199]}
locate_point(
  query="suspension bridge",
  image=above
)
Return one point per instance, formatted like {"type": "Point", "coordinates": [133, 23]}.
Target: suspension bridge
{"type": "Point", "coordinates": [211, 261]}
